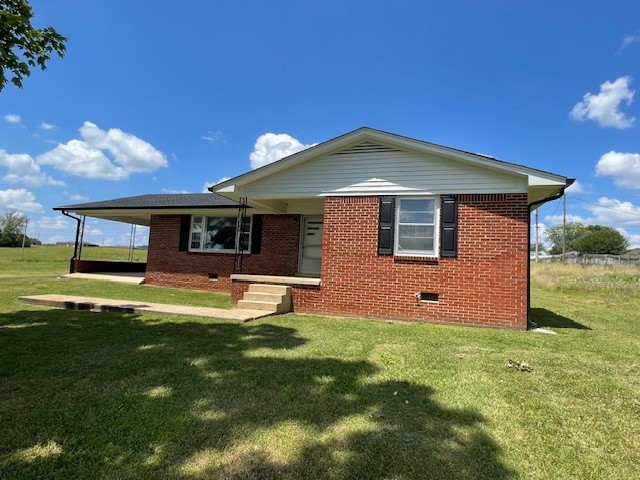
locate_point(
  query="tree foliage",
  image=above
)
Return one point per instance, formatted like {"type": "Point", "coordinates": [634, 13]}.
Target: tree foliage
{"type": "Point", "coordinates": [21, 45]}
{"type": "Point", "coordinates": [587, 239]}
{"type": "Point", "coordinates": [12, 226]}
{"type": "Point", "coordinates": [600, 239]}
{"type": "Point", "coordinates": [573, 231]}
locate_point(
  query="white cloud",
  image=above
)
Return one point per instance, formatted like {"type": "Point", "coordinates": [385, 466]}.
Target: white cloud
{"type": "Point", "coordinates": [86, 158]}
{"type": "Point", "coordinates": [623, 167]}
{"type": "Point", "coordinates": [634, 239]}
{"type": "Point", "coordinates": [133, 153]}
{"type": "Point", "coordinates": [20, 200]}
{"type": "Point", "coordinates": [47, 126]}
{"type": "Point", "coordinates": [628, 40]}
{"type": "Point", "coordinates": [205, 187]}
{"type": "Point", "coordinates": [13, 118]}
{"type": "Point", "coordinates": [606, 211]}
{"type": "Point", "coordinates": [603, 107]}
{"type": "Point", "coordinates": [212, 136]}
{"type": "Point", "coordinates": [76, 197]}
{"type": "Point", "coordinates": [610, 211]}
{"type": "Point", "coordinates": [77, 158]}
{"type": "Point", "coordinates": [22, 168]}
{"type": "Point", "coordinates": [575, 187]}
{"type": "Point", "coordinates": [53, 223]}
{"type": "Point", "coordinates": [271, 147]}
{"type": "Point", "coordinates": [94, 231]}
{"type": "Point", "coordinates": [557, 219]}
{"type": "Point", "coordinates": [169, 190]}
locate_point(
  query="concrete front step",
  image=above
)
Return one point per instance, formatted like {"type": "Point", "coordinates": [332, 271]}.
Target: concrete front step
{"type": "Point", "coordinates": [271, 298]}
{"type": "Point", "coordinates": [276, 289]}
{"type": "Point", "coordinates": [263, 297]}
{"type": "Point", "coordinates": [258, 305]}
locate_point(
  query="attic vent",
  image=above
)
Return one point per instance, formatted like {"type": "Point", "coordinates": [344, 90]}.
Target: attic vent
{"type": "Point", "coordinates": [367, 147]}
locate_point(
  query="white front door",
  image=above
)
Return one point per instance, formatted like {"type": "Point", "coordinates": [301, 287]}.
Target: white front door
{"type": "Point", "coordinates": [311, 246]}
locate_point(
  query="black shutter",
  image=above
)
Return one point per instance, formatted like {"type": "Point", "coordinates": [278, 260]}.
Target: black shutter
{"type": "Point", "coordinates": [256, 234]}
{"type": "Point", "coordinates": [185, 226]}
{"type": "Point", "coordinates": [385, 225]}
{"type": "Point", "coordinates": [449, 226]}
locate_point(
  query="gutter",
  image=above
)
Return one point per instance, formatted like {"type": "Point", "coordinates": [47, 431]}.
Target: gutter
{"type": "Point", "coordinates": [556, 196]}
{"type": "Point", "coordinates": [75, 248]}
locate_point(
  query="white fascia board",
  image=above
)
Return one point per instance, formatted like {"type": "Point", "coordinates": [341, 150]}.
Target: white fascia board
{"type": "Point", "coordinates": [121, 216]}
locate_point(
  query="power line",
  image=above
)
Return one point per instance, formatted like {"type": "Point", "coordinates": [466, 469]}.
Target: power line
{"type": "Point", "coordinates": [607, 207]}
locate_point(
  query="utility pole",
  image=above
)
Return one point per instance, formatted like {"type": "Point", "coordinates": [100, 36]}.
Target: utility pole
{"type": "Point", "coordinates": [564, 228]}
{"type": "Point", "coordinates": [24, 236]}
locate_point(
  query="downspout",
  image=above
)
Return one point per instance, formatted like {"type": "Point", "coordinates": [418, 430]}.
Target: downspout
{"type": "Point", "coordinates": [75, 248]}
{"type": "Point", "coordinates": [556, 196]}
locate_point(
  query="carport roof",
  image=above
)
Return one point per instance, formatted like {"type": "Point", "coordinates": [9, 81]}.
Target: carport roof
{"type": "Point", "coordinates": [156, 201]}
{"type": "Point", "coordinates": [138, 210]}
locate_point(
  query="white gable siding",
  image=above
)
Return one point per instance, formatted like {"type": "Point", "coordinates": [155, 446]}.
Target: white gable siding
{"type": "Point", "coordinates": [374, 170]}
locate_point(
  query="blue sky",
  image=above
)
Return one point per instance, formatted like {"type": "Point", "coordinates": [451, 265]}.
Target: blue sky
{"type": "Point", "coordinates": [167, 97]}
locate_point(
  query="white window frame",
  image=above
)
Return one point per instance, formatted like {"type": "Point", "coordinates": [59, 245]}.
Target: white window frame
{"type": "Point", "coordinates": [436, 229]}
{"type": "Point", "coordinates": [202, 232]}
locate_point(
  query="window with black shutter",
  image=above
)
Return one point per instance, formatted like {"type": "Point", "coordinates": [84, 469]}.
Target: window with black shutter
{"type": "Point", "coordinates": [449, 226]}
{"type": "Point", "coordinates": [256, 234]}
{"type": "Point", "coordinates": [386, 225]}
{"type": "Point", "coordinates": [185, 226]}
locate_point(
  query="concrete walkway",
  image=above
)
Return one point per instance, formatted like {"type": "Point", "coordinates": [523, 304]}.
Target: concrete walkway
{"type": "Point", "coordinates": [73, 302]}
{"type": "Point", "coordinates": [133, 278]}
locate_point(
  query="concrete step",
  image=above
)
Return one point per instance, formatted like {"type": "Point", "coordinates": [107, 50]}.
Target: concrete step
{"type": "Point", "coordinates": [256, 305]}
{"type": "Point", "coordinates": [263, 297]}
{"type": "Point", "coordinates": [260, 288]}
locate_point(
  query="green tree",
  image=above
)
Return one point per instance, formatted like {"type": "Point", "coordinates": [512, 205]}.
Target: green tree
{"type": "Point", "coordinates": [21, 45]}
{"type": "Point", "coordinates": [573, 231]}
{"type": "Point", "coordinates": [601, 239]}
{"type": "Point", "coordinates": [12, 229]}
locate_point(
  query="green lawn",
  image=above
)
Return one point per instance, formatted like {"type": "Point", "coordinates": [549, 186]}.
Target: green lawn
{"type": "Point", "coordinates": [103, 395]}
{"type": "Point", "coordinates": [53, 259]}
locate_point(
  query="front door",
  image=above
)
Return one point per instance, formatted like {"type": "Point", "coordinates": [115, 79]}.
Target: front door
{"type": "Point", "coordinates": [311, 246]}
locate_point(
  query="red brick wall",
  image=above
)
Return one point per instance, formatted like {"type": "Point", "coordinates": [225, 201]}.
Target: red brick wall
{"type": "Point", "coordinates": [485, 285]}
{"type": "Point", "coordinates": [168, 266]}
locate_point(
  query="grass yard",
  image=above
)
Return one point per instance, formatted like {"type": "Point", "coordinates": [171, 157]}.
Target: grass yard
{"type": "Point", "coordinates": [112, 396]}
{"type": "Point", "coordinates": [53, 259]}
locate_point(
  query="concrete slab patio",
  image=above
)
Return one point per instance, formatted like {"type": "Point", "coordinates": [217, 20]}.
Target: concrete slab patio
{"type": "Point", "coordinates": [73, 302]}
{"type": "Point", "coordinates": [132, 278]}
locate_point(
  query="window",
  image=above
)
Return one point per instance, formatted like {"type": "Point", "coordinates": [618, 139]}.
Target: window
{"type": "Point", "coordinates": [416, 226]}
{"type": "Point", "coordinates": [218, 234]}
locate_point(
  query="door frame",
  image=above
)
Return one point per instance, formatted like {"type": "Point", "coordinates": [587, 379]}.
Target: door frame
{"type": "Point", "coordinates": [303, 220]}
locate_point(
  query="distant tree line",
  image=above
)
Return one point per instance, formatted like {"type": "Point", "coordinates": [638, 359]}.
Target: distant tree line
{"type": "Point", "coordinates": [12, 225]}
{"type": "Point", "coordinates": [587, 239]}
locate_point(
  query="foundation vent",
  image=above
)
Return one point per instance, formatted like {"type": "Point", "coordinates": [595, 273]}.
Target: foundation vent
{"type": "Point", "coordinates": [427, 296]}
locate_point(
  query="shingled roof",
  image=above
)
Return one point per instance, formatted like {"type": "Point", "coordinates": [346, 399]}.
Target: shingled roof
{"type": "Point", "coordinates": [157, 201]}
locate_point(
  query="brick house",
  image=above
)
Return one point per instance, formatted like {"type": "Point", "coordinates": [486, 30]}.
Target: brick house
{"type": "Point", "coordinates": [369, 224]}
